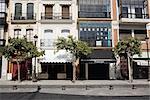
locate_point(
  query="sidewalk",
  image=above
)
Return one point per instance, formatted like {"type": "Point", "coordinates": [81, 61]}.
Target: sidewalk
{"type": "Point", "coordinates": [85, 87]}
{"type": "Point", "coordinates": [77, 82]}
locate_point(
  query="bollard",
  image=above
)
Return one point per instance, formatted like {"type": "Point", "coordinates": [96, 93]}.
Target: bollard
{"type": "Point", "coordinates": [86, 87]}
{"type": "Point", "coordinates": [15, 87]}
{"type": "Point", "coordinates": [63, 88]}
{"type": "Point", "coordinates": [133, 87]}
{"type": "Point", "coordinates": [110, 87]}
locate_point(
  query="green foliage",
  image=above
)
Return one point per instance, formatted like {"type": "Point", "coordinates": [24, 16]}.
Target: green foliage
{"type": "Point", "coordinates": [132, 45]}
{"type": "Point", "coordinates": [20, 48]}
{"type": "Point", "coordinates": [76, 47]}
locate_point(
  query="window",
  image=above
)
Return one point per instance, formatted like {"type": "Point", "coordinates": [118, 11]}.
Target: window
{"type": "Point", "coordinates": [48, 11]}
{"type": "Point", "coordinates": [29, 34]}
{"type": "Point", "coordinates": [1, 33]}
{"type": "Point", "coordinates": [138, 12]}
{"type": "Point", "coordinates": [17, 33]}
{"type": "Point", "coordinates": [94, 8]}
{"type": "Point", "coordinates": [18, 11]}
{"type": "Point", "coordinates": [48, 38]}
{"type": "Point", "coordinates": [140, 34]}
{"type": "Point", "coordinates": [65, 31]}
{"type": "Point", "coordinates": [124, 12]}
{"type": "Point", "coordinates": [2, 6]}
{"type": "Point", "coordinates": [96, 34]}
{"type": "Point", "coordinates": [65, 11]}
{"type": "Point", "coordinates": [124, 34]}
{"type": "Point", "coordinates": [30, 11]}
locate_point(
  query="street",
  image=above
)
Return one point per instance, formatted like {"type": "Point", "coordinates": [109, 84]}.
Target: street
{"type": "Point", "coordinates": [48, 96]}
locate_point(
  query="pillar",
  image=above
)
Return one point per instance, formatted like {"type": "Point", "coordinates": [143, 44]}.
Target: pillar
{"type": "Point", "coordinates": [4, 68]}
{"type": "Point", "coordinates": [86, 71]}
{"type": "Point", "coordinates": [115, 33]}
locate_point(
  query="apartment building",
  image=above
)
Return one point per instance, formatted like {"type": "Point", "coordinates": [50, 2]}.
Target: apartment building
{"type": "Point", "coordinates": [3, 28]}
{"type": "Point", "coordinates": [95, 27]}
{"type": "Point", "coordinates": [134, 21]}
{"type": "Point", "coordinates": [58, 18]}
{"type": "Point", "coordinates": [48, 19]}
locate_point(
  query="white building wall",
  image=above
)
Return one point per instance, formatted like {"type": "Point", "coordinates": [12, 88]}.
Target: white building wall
{"type": "Point", "coordinates": [38, 27]}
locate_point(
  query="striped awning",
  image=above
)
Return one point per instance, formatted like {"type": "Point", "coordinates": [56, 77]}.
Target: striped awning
{"type": "Point", "coordinates": [51, 56]}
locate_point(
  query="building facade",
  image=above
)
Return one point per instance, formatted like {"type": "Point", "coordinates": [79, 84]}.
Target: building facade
{"type": "Point", "coordinates": [100, 23]}
{"type": "Point", "coordinates": [3, 29]}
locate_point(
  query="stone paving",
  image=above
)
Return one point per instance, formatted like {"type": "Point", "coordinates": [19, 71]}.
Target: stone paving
{"type": "Point", "coordinates": [86, 87]}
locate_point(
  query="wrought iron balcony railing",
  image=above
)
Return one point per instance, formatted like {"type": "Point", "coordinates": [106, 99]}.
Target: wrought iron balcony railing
{"type": "Point", "coordinates": [24, 16]}
{"type": "Point", "coordinates": [94, 14]}
{"type": "Point", "coordinates": [134, 15]}
{"type": "Point", "coordinates": [56, 16]}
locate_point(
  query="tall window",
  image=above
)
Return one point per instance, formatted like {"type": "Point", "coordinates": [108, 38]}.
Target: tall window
{"type": "Point", "coordinates": [17, 33]}
{"type": "Point", "coordinates": [48, 11]}
{"type": "Point", "coordinates": [2, 6]}
{"type": "Point", "coordinates": [30, 11]}
{"type": "Point", "coordinates": [65, 11]}
{"type": "Point", "coordinates": [138, 12]}
{"type": "Point", "coordinates": [125, 12]}
{"type": "Point", "coordinates": [94, 8]}
{"type": "Point", "coordinates": [18, 10]}
{"type": "Point", "coordinates": [29, 34]}
{"type": "Point", "coordinates": [48, 38]}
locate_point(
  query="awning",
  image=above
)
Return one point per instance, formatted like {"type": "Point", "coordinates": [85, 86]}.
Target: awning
{"type": "Point", "coordinates": [51, 56]}
{"type": "Point", "coordinates": [142, 62]}
{"type": "Point", "coordinates": [100, 56]}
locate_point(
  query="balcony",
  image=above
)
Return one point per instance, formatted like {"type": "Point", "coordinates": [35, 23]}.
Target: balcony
{"type": "Point", "coordinates": [94, 14]}
{"type": "Point", "coordinates": [56, 18]}
{"type": "Point", "coordinates": [134, 18]}
{"type": "Point", "coordinates": [24, 18]}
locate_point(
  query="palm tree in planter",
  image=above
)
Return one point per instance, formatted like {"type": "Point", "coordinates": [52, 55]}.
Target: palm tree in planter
{"type": "Point", "coordinates": [18, 50]}
{"type": "Point", "coordinates": [76, 47]}
{"type": "Point", "coordinates": [128, 47]}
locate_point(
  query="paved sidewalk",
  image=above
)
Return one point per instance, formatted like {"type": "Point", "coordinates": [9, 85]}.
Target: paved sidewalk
{"type": "Point", "coordinates": [86, 87]}
{"type": "Point", "coordinates": [77, 82]}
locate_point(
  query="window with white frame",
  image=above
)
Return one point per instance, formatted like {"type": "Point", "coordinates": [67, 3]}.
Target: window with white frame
{"type": "Point", "coordinates": [2, 6]}
{"type": "Point", "coordinates": [17, 33]}
{"type": "Point", "coordinates": [1, 33]}
{"type": "Point", "coordinates": [48, 38]}
{"type": "Point", "coordinates": [65, 32]}
{"type": "Point", "coordinates": [29, 34]}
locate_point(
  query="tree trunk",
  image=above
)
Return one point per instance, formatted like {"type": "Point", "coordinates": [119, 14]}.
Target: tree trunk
{"type": "Point", "coordinates": [75, 65]}
{"type": "Point", "coordinates": [18, 70]}
{"type": "Point", "coordinates": [129, 68]}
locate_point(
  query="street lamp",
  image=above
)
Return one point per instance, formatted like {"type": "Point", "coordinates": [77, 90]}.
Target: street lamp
{"type": "Point", "coordinates": [34, 78]}
{"type": "Point", "coordinates": [147, 40]}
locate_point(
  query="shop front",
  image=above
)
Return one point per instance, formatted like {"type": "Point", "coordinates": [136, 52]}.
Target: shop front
{"type": "Point", "coordinates": [56, 65]}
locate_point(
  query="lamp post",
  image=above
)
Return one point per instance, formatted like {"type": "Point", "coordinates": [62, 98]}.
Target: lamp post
{"type": "Point", "coordinates": [34, 78]}
{"type": "Point", "coordinates": [147, 40]}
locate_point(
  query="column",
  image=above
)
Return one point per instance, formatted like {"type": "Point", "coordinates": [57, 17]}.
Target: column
{"type": "Point", "coordinates": [86, 71]}
{"type": "Point", "coordinates": [148, 6]}
{"type": "Point", "coordinates": [115, 33]}
{"type": "Point", "coordinates": [4, 68]}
